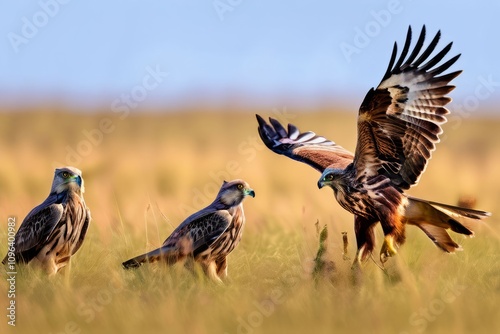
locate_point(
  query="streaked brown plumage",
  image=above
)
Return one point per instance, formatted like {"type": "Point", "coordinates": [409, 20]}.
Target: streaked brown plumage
{"type": "Point", "coordinates": [53, 231]}
{"type": "Point", "coordinates": [399, 124]}
{"type": "Point", "coordinates": [207, 236]}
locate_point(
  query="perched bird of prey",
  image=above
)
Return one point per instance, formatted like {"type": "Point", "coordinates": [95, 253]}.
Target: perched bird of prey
{"type": "Point", "coordinates": [399, 123]}
{"type": "Point", "coordinates": [53, 231]}
{"type": "Point", "coordinates": [207, 236]}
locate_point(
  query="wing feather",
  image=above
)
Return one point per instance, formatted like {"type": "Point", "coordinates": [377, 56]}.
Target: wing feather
{"type": "Point", "coordinates": [399, 122]}
{"type": "Point", "coordinates": [445, 66]}
{"type": "Point", "coordinates": [432, 45]}
{"type": "Point", "coordinates": [35, 229]}
{"type": "Point", "coordinates": [406, 48]}
{"type": "Point", "coordinates": [316, 151]}
{"type": "Point", "coordinates": [202, 230]}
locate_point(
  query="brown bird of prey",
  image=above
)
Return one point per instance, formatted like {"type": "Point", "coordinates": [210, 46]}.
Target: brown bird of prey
{"type": "Point", "coordinates": [53, 231]}
{"type": "Point", "coordinates": [207, 236]}
{"type": "Point", "coordinates": [399, 123]}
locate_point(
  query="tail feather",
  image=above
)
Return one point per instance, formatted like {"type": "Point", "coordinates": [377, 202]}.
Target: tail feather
{"type": "Point", "coordinates": [135, 262]}
{"type": "Point", "coordinates": [168, 254]}
{"type": "Point", "coordinates": [459, 227]}
{"type": "Point", "coordinates": [440, 237]}
{"type": "Point", "coordinates": [457, 211]}
{"type": "Point", "coordinates": [435, 218]}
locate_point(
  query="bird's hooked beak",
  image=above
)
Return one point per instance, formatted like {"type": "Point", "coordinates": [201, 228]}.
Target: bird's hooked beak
{"type": "Point", "coordinates": [74, 182]}
{"type": "Point", "coordinates": [75, 178]}
{"type": "Point", "coordinates": [325, 179]}
{"type": "Point", "coordinates": [249, 192]}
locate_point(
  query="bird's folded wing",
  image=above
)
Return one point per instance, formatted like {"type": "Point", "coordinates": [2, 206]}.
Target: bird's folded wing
{"type": "Point", "coordinates": [316, 151]}
{"type": "Point", "coordinates": [399, 122]}
{"type": "Point", "coordinates": [36, 228]}
{"type": "Point", "coordinates": [209, 230]}
{"type": "Point", "coordinates": [200, 232]}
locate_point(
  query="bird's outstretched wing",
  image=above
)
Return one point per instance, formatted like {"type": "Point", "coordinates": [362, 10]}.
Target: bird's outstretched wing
{"type": "Point", "coordinates": [316, 151]}
{"type": "Point", "coordinates": [399, 122]}
{"type": "Point", "coordinates": [35, 229]}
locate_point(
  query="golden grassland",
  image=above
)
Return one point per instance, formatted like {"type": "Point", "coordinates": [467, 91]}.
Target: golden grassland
{"type": "Point", "coordinates": [145, 172]}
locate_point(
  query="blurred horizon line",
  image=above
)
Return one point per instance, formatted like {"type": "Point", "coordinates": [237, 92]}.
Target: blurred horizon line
{"type": "Point", "coordinates": [208, 102]}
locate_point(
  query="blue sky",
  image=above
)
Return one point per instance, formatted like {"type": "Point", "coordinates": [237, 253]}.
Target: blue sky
{"type": "Point", "coordinates": [263, 52]}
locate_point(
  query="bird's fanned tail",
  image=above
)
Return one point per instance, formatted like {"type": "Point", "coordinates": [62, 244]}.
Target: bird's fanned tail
{"type": "Point", "coordinates": [435, 218]}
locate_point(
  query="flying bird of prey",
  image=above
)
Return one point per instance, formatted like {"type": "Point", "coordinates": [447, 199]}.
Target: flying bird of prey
{"type": "Point", "coordinates": [207, 236]}
{"type": "Point", "coordinates": [399, 123]}
{"type": "Point", "coordinates": [53, 231]}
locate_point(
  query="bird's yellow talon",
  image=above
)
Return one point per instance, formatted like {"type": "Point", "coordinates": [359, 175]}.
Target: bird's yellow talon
{"type": "Point", "coordinates": [388, 249]}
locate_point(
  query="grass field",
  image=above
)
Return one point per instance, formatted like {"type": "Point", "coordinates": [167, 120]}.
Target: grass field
{"type": "Point", "coordinates": [145, 173]}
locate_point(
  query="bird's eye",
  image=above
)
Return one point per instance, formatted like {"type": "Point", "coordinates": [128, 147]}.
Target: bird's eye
{"type": "Point", "coordinates": [240, 186]}
{"type": "Point", "coordinates": [65, 175]}
{"type": "Point", "coordinates": [329, 177]}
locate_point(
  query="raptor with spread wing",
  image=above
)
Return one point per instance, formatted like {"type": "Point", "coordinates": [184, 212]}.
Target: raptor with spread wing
{"type": "Point", "coordinates": [399, 124]}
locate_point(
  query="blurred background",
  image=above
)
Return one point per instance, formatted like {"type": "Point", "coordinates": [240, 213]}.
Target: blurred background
{"type": "Point", "coordinates": [217, 52]}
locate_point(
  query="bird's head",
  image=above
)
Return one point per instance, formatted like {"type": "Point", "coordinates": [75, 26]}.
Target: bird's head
{"type": "Point", "coordinates": [67, 178]}
{"type": "Point", "coordinates": [330, 177]}
{"type": "Point", "coordinates": [232, 193]}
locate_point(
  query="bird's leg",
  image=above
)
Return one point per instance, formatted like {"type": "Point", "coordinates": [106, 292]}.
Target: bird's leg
{"type": "Point", "coordinates": [48, 264]}
{"type": "Point", "coordinates": [388, 249]}
{"type": "Point", "coordinates": [394, 231]}
{"type": "Point", "coordinates": [394, 237]}
{"type": "Point", "coordinates": [359, 257]}
{"type": "Point", "coordinates": [210, 270]}
{"type": "Point", "coordinates": [66, 272]}
{"type": "Point", "coordinates": [365, 239]}
{"type": "Point", "coordinates": [356, 270]}
{"type": "Point", "coordinates": [221, 268]}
